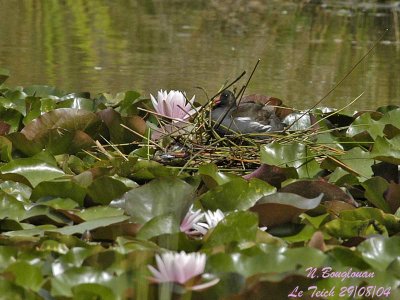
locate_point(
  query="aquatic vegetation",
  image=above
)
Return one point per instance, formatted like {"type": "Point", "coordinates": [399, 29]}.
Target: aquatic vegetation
{"type": "Point", "coordinates": [92, 207]}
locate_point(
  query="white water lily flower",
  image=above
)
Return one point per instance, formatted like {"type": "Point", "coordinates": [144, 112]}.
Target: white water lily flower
{"type": "Point", "coordinates": [180, 268]}
{"type": "Point", "coordinates": [191, 218]}
{"type": "Point", "coordinates": [173, 104]}
{"type": "Point", "coordinates": [211, 220]}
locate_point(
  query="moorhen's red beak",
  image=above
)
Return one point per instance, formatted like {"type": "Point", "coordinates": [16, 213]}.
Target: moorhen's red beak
{"type": "Point", "coordinates": [217, 101]}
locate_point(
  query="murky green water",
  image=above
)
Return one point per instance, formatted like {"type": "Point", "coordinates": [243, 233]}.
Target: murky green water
{"type": "Point", "coordinates": [110, 46]}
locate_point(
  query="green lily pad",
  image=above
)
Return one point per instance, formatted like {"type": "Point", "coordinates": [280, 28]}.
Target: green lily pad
{"type": "Point", "coordinates": [76, 102]}
{"type": "Point", "coordinates": [41, 214]}
{"type": "Point", "coordinates": [90, 225]}
{"type": "Point", "coordinates": [25, 146]}
{"type": "Point", "coordinates": [158, 197]}
{"type": "Point", "coordinates": [10, 207]}
{"type": "Point", "coordinates": [92, 291]}
{"type": "Point", "coordinates": [375, 187]}
{"type": "Point", "coordinates": [63, 284]}
{"type": "Point", "coordinates": [380, 252]}
{"type": "Point", "coordinates": [43, 91]}
{"type": "Point", "coordinates": [58, 203]}
{"type": "Point", "coordinates": [348, 227]}
{"type": "Point", "coordinates": [34, 170]}
{"type": "Point", "coordinates": [391, 222]}
{"type": "Point", "coordinates": [127, 104]}
{"type": "Point", "coordinates": [387, 150]}
{"type": "Point", "coordinates": [99, 194]}
{"type": "Point", "coordinates": [99, 212]}
{"type": "Point", "coordinates": [365, 123]}
{"type": "Point", "coordinates": [274, 260]}
{"type": "Point", "coordinates": [20, 191]}
{"type": "Point", "coordinates": [27, 275]}
{"type": "Point", "coordinates": [64, 120]}
{"type": "Point", "coordinates": [295, 155]}
{"type": "Point", "coordinates": [147, 170]}
{"type": "Point", "coordinates": [355, 161]}
{"type": "Point", "coordinates": [59, 188]}
{"type": "Point", "coordinates": [236, 227]}
{"type": "Point", "coordinates": [159, 225]}
{"type": "Point", "coordinates": [236, 194]}
{"type": "Point", "coordinates": [212, 177]}
{"type": "Point", "coordinates": [5, 148]}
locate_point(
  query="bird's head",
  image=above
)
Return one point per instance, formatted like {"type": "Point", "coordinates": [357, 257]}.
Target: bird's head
{"type": "Point", "coordinates": [226, 98]}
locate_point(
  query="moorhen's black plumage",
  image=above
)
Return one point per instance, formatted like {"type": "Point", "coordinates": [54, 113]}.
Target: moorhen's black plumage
{"type": "Point", "coordinates": [247, 117]}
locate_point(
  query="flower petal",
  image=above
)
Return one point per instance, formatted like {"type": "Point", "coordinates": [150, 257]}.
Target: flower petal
{"type": "Point", "coordinates": [203, 286]}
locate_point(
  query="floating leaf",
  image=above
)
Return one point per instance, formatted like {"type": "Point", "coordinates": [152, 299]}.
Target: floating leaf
{"type": "Point", "coordinates": [115, 189]}
{"type": "Point", "coordinates": [236, 194]}
{"type": "Point", "coordinates": [25, 146]}
{"type": "Point", "coordinates": [41, 214]}
{"type": "Point", "coordinates": [98, 212]}
{"type": "Point", "coordinates": [313, 188]}
{"type": "Point", "coordinates": [375, 187]}
{"type": "Point", "coordinates": [295, 155]}
{"type": "Point", "coordinates": [346, 229]}
{"type": "Point", "coordinates": [90, 225]}
{"type": "Point", "coordinates": [392, 196]}
{"type": "Point", "coordinates": [10, 207]}
{"type": "Point", "coordinates": [387, 150]}
{"type": "Point", "coordinates": [127, 105]}
{"type": "Point", "coordinates": [62, 285]}
{"type": "Point", "coordinates": [371, 214]}
{"type": "Point", "coordinates": [62, 188]}
{"type": "Point", "coordinates": [76, 102]}
{"type": "Point", "coordinates": [212, 177]}
{"type": "Point", "coordinates": [272, 260]}
{"type": "Point", "coordinates": [235, 227]}
{"type": "Point", "coordinates": [120, 134]}
{"type": "Point", "coordinates": [43, 91]}
{"type": "Point", "coordinates": [5, 148]}
{"type": "Point", "coordinates": [64, 120]}
{"type": "Point", "coordinates": [355, 161]}
{"type": "Point", "coordinates": [148, 169]}
{"type": "Point", "coordinates": [58, 203]}
{"type": "Point", "coordinates": [365, 123]}
{"type": "Point", "coordinates": [272, 174]}
{"type": "Point", "coordinates": [380, 252]}
{"type": "Point", "coordinates": [92, 291]}
{"type": "Point", "coordinates": [163, 224]}
{"type": "Point", "coordinates": [34, 170]}
{"type": "Point", "coordinates": [158, 197]}
{"type": "Point", "coordinates": [26, 275]}
{"type": "Point", "coordinates": [280, 208]}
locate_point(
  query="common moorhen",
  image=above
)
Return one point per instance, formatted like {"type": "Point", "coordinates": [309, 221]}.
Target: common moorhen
{"type": "Point", "coordinates": [245, 118]}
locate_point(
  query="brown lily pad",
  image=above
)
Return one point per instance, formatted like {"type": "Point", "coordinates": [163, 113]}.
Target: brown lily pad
{"type": "Point", "coordinates": [312, 188]}
{"type": "Point", "coordinates": [281, 208]}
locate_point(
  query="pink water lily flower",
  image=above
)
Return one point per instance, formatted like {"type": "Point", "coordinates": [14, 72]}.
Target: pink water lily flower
{"type": "Point", "coordinates": [173, 104]}
{"type": "Point", "coordinates": [180, 268]}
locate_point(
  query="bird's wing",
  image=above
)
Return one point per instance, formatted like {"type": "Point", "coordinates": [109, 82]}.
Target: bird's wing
{"type": "Point", "coordinates": [248, 109]}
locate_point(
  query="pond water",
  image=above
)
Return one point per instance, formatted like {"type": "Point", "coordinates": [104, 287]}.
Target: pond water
{"type": "Point", "coordinates": [305, 47]}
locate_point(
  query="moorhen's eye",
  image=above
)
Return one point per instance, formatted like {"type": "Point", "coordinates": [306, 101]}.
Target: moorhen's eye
{"type": "Point", "coordinates": [225, 95]}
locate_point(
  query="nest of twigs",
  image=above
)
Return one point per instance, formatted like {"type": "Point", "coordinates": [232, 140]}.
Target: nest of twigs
{"type": "Point", "coordinates": [199, 140]}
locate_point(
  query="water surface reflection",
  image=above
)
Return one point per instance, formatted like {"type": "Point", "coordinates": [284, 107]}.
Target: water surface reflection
{"type": "Point", "coordinates": [305, 46]}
